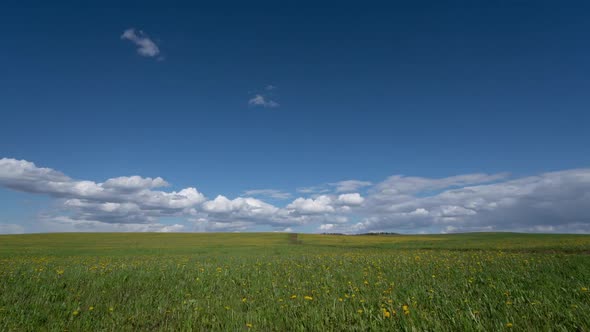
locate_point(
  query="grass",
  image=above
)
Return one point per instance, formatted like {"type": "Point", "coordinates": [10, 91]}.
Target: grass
{"type": "Point", "coordinates": [262, 282]}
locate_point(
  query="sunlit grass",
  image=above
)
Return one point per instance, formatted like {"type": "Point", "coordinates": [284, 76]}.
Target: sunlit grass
{"type": "Point", "coordinates": [262, 282]}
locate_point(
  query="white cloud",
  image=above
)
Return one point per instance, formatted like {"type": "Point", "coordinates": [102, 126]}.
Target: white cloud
{"type": "Point", "coordinates": [313, 190]}
{"type": "Point", "coordinates": [549, 202]}
{"type": "Point", "coordinates": [350, 185]}
{"type": "Point", "coordinates": [67, 224]}
{"type": "Point", "coordinates": [272, 193]}
{"type": "Point", "coordinates": [322, 204]}
{"type": "Point", "coordinates": [239, 206]}
{"type": "Point", "coordinates": [146, 47]}
{"type": "Point", "coordinates": [326, 227]}
{"type": "Point", "coordinates": [260, 100]}
{"type": "Point", "coordinates": [118, 200]}
{"type": "Point", "coordinates": [134, 183]}
{"type": "Point", "coordinates": [351, 199]}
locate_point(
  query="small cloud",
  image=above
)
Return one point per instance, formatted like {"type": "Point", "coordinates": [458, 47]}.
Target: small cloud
{"type": "Point", "coordinates": [313, 190]}
{"type": "Point", "coordinates": [146, 47]}
{"type": "Point", "coordinates": [260, 100]}
{"type": "Point", "coordinates": [349, 185]}
{"type": "Point", "coordinates": [272, 193]}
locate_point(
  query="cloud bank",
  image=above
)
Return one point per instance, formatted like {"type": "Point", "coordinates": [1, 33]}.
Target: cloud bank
{"type": "Point", "coordinates": [548, 202]}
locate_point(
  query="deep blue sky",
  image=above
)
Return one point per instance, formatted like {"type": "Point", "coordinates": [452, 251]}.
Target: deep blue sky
{"type": "Point", "coordinates": [366, 90]}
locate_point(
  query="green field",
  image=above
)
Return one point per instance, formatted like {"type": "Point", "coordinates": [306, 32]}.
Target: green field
{"type": "Point", "coordinates": [265, 282]}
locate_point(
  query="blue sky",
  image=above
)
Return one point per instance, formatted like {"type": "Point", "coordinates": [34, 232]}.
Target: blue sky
{"type": "Point", "coordinates": [292, 99]}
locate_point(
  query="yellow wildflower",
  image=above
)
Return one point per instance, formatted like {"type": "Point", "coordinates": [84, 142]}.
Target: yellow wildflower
{"type": "Point", "coordinates": [309, 298]}
{"type": "Point", "coordinates": [508, 324]}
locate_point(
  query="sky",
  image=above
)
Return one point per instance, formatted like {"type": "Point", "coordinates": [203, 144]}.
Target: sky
{"type": "Point", "coordinates": [407, 117]}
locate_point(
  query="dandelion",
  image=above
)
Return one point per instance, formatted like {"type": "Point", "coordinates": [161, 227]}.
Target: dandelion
{"type": "Point", "coordinates": [75, 313]}
{"type": "Point", "coordinates": [360, 311]}
{"type": "Point", "coordinates": [244, 300]}
{"type": "Point", "coordinates": [293, 296]}
{"type": "Point", "coordinates": [584, 289]}
{"type": "Point", "coordinates": [406, 309]}
{"type": "Point", "coordinates": [309, 298]}
{"type": "Point", "coordinates": [249, 325]}
{"type": "Point", "coordinates": [111, 309]}
{"type": "Point", "coordinates": [508, 324]}
{"type": "Point", "coordinates": [386, 313]}
{"type": "Point", "coordinates": [90, 308]}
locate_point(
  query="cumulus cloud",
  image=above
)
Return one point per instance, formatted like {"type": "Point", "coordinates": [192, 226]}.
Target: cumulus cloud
{"type": "Point", "coordinates": [321, 204]}
{"type": "Point", "coordinates": [549, 202]}
{"type": "Point", "coordinates": [351, 199]}
{"type": "Point", "coordinates": [119, 200]}
{"type": "Point", "coordinates": [260, 100]}
{"type": "Point", "coordinates": [145, 46]}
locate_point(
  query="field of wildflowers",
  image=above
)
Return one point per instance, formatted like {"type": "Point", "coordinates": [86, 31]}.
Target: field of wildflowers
{"type": "Point", "coordinates": [263, 282]}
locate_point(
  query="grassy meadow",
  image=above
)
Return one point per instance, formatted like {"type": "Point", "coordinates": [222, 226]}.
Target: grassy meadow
{"type": "Point", "coordinates": [264, 282]}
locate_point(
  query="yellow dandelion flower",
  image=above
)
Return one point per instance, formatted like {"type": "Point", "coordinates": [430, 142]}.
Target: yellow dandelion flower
{"type": "Point", "coordinates": [293, 296]}
{"type": "Point", "coordinates": [360, 311]}
{"type": "Point", "coordinates": [90, 308]}
{"type": "Point", "coordinates": [309, 298]}
{"type": "Point", "coordinates": [406, 309]}
{"type": "Point", "coordinates": [340, 299]}
{"type": "Point", "coordinates": [111, 309]}
{"type": "Point", "coordinates": [244, 299]}
{"type": "Point", "coordinates": [249, 325]}
{"type": "Point", "coordinates": [386, 314]}
{"type": "Point", "coordinates": [584, 289]}
{"type": "Point", "coordinates": [508, 324]}
{"type": "Point", "coordinates": [76, 313]}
